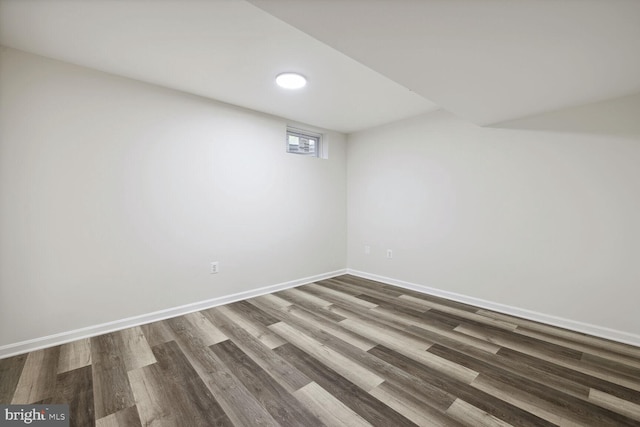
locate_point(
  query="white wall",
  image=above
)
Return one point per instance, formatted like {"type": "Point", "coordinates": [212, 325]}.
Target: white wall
{"type": "Point", "coordinates": [115, 195]}
{"type": "Point", "coordinates": [544, 219]}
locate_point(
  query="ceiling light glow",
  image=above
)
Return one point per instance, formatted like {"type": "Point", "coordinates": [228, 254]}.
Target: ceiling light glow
{"type": "Point", "coordinates": [291, 80]}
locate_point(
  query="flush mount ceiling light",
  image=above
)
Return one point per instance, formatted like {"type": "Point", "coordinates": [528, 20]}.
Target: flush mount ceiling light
{"type": "Point", "coordinates": [291, 80]}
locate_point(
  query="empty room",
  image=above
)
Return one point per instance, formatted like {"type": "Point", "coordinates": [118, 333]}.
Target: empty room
{"type": "Point", "coordinates": [321, 212]}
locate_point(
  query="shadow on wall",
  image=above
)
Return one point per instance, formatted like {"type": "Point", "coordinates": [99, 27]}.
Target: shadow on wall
{"type": "Point", "coordinates": [619, 117]}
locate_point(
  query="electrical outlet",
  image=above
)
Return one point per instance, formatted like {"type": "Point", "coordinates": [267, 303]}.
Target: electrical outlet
{"type": "Point", "coordinates": [367, 249]}
{"type": "Point", "coordinates": [389, 253]}
{"type": "Point", "coordinates": [214, 268]}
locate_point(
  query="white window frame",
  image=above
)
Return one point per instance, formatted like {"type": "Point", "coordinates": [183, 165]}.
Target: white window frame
{"type": "Point", "coordinates": [308, 135]}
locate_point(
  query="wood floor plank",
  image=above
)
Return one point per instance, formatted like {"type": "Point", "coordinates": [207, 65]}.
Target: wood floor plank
{"type": "Point", "coordinates": [310, 302]}
{"type": "Point", "coordinates": [615, 366]}
{"type": "Point", "coordinates": [282, 406]}
{"type": "Point", "coordinates": [75, 388]}
{"type": "Point", "coordinates": [389, 328]}
{"type": "Point", "coordinates": [439, 318]}
{"type": "Point", "coordinates": [626, 388]}
{"type": "Point", "coordinates": [10, 372]}
{"type": "Point", "coordinates": [187, 395]}
{"type": "Point", "coordinates": [568, 377]}
{"type": "Point", "coordinates": [127, 417]}
{"type": "Point", "coordinates": [486, 402]}
{"type": "Point", "coordinates": [151, 398]}
{"type": "Point", "coordinates": [604, 344]}
{"type": "Point", "coordinates": [136, 351]}
{"type": "Point", "coordinates": [207, 332]}
{"type": "Point", "coordinates": [411, 407]}
{"type": "Point", "coordinates": [307, 320]}
{"type": "Point", "coordinates": [417, 353]}
{"type": "Point", "coordinates": [528, 388]}
{"type": "Point", "coordinates": [462, 313]}
{"type": "Point", "coordinates": [280, 369]}
{"type": "Point", "coordinates": [336, 285]}
{"type": "Point", "coordinates": [519, 342]}
{"type": "Point", "coordinates": [333, 295]}
{"type": "Point", "coordinates": [567, 407]}
{"type": "Point", "coordinates": [273, 299]}
{"type": "Point", "coordinates": [311, 320]}
{"type": "Point", "coordinates": [111, 388]}
{"type": "Point", "coordinates": [238, 403]}
{"type": "Point", "coordinates": [253, 313]}
{"type": "Point", "coordinates": [38, 377]}
{"type": "Point", "coordinates": [156, 333]}
{"type": "Point", "coordinates": [361, 402]}
{"type": "Point", "coordinates": [439, 333]}
{"type": "Point", "coordinates": [260, 332]}
{"type": "Point", "coordinates": [483, 363]}
{"type": "Point", "coordinates": [386, 336]}
{"type": "Point", "coordinates": [349, 369]}
{"type": "Point", "coordinates": [327, 408]}
{"type": "Point", "coordinates": [531, 404]}
{"type": "Point", "coordinates": [557, 359]}
{"type": "Point", "coordinates": [74, 355]}
{"type": "Point", "coordinates": [586, 349]}
{"type": "Point", "coordinates": [369, 288]}
{"type": "Point", "coordinates": [424, 296]}
{"type": "Point", "coordinates": [470, 415]}
{"type": "Point", "coordinates": [614, 403]}
{"type": "Point", "coordinates": [304, 299]}
{"type": "Point", "coordinates": [340, 351]}
{"type": "Point", "coordinates": [394, 304]}
{"type": "Point", "coordinates": [430, 395]}
{"type": "Point", "coordinates": [397, 305]}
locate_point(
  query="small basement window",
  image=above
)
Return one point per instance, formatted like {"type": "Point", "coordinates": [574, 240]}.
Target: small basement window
{"type": "Point", "coordinates": [303, 142]}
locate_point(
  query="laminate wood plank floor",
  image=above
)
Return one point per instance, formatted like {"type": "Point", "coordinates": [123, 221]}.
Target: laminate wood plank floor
{"type": "Point", "coordinates": [340, 352]}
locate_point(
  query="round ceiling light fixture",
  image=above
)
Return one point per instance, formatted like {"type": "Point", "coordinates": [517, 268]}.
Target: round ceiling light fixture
{"type": "Point", "coordinates": [291, 80]}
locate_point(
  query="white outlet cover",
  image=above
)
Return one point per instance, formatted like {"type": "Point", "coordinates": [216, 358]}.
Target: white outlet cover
{"type": "Point", "coordinates": [214, 267]}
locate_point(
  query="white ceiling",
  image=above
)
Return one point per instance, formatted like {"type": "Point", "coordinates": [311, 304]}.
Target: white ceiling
{"type": "Point", "coordinates": [228, 50]}
{"type": "Point", "coordinates": [484, 60]}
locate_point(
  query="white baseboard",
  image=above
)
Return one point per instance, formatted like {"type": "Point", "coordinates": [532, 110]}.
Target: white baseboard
{"type": "Point", "coordinates": [573, 325]}
{"type": "Point", "coordinates": [92, 331]}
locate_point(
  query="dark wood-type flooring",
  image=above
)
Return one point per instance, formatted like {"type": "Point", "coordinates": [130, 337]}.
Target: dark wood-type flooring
{"type": "Point", "coordinates": [341, 352]}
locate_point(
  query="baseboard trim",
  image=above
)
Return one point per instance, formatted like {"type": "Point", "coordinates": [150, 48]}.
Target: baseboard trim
{"type": "Point", "coordinates": [103, 328]}
{"type": "Point", "coordinates": [573, 325]}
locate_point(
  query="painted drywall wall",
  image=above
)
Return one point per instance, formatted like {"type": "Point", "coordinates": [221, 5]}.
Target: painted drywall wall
{"type": "Point", "coordinates": [543, 219]}
{"type": "Point", "coordinates": [116, 195]}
